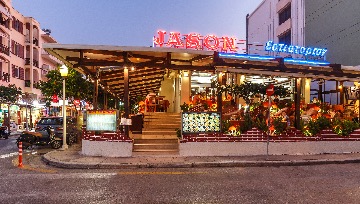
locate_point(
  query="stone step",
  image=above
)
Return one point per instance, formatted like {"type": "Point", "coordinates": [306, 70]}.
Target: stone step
{"type": "Point", "coordinates": [156, 141]}
{"type": "Point", "coordinates": [159, 132]}
{"type": "Point", "coordinates": [155, 145]}
{"type": "Point", "coordinates": [159, 122]}
{"type": "Point", "coordinates": [155, 153]}
{"type": "Point", "coordinates": [161, 113]}
{"type": "Point", "coordinates": [174, 136]}
{"type": "Point", "coordinates": [165, 120]}
{"type": "Point", "coordinates": [161, 127]}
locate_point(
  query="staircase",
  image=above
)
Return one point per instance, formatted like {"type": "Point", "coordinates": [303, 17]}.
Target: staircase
{"type": "Point", "coordinates": [159, 134]}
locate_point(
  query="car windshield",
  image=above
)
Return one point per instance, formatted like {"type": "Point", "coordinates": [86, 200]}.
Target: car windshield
{"type": "Point", "coordinates": [50, 121]}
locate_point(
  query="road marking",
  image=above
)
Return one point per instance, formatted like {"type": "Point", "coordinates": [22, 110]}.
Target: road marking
{"type": "Point", "coordinates": [9, 155]}
{"type": "Point", "coordinates": [159, 173]}
{"type": "Point", "coordinates": [15, 154]}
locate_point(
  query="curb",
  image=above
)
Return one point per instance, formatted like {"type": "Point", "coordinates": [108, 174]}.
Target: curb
{"type": "Point", "coordinates": [73, 165]}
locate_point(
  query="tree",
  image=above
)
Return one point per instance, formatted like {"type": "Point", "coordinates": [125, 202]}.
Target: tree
{"type": "Point", "coordinates": [77, 86]}
{"type": "Point", "coordinates": [9, 94]}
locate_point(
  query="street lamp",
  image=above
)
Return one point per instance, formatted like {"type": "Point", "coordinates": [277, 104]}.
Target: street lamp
{"type": "Point", "coordinates": [64, 73]}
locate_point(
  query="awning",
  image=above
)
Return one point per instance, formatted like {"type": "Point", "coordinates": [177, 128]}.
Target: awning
{"type": "Point", "coordinates": [147, 65]}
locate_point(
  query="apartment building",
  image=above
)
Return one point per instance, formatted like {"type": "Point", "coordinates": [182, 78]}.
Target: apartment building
{"type": "Point", "coordinates": [23, 62]}
{"type": "Point", "coordinates": [280, 21]}
{"type": "Point", "coordinates": [330, 24]}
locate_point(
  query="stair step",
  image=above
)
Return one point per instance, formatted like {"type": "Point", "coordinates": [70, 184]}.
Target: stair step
{"type": "Point", "coordinates": [156, 141]}
{"type": "Point", "coordinates": [157, 132]}
{"type": "Point", "coordinates": [172, 147]}
{"type": "Point", "coordinates": [154, 153]}
{"type": "Point", "coordinates": [173, 136]}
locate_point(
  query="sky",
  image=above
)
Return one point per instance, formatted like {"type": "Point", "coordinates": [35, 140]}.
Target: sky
{"type": "Point", "coordinates": [136, 22]}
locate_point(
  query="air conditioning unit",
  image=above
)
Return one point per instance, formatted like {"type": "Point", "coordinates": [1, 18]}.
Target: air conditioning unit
{"type": "Point", "coordinates": [46, 67]}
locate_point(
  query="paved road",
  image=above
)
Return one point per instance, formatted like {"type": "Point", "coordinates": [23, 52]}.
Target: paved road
{"type": "Point", "coordinates": [38, 183]}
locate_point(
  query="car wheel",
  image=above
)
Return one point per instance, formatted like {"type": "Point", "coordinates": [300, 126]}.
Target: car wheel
{"type": "Point", "coordinates": [6, 136]}
{"type": "Point", "coordinates": [56, 144]}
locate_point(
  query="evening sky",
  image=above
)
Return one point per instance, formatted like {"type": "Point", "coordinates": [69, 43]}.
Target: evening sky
{"type": "Point", "coordinates": [135, 22]}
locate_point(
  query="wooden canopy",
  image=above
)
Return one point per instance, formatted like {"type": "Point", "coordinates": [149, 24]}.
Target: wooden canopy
{"type": "Point", "coordinates": [147, 66]}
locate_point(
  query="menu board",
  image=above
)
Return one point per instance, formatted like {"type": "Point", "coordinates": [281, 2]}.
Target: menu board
{"type": "Point", "coordinates": [201, 122]}
{"type": "Point", "coordinates": [101, 120]}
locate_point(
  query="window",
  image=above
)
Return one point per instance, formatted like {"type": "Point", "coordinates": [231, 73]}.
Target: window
{"type": "Point", "coordinates": [15, 71]}
{"type": "Point", "coordinates": [17, 49]}
{"type": "Point", "coordinates": [17, 25]}
{"type": "Point", "coordinates": [285, 38]}
{"type": "Point", "coordinates": [285, 14]}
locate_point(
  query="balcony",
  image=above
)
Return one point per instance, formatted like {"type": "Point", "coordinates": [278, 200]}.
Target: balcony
{"type": "Point", "coordinates": [36, 42]}
{"type": "Point", "coordinates": [5, 49]}
{"type": "Point", "coordinates": [27, 61]}
{"type": "Point", "coordinates": [5, 77]}
{"type": "Point", "coordinates": [36, 63]}
{"type": "Point", "coordinates": [27, 83]}
{"type": "Point", "coordinates": [282, 4]}
{"type": "Point", "coordinates": [283, 28]}
{"type": "Point", "coordinates": [37, 85]}
{"type": "Point", "coordinates": [49, 57]}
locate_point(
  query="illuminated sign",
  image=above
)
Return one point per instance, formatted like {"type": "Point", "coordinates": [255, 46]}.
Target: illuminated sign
{"type": "Point", "coordinates": [201, 122]}
{"type": "Point", "coordinates": [196, 41]}
{"type": "Point", "coordinates": [101, 120]}
{"type": "Point", "coordinates": [293, 49]}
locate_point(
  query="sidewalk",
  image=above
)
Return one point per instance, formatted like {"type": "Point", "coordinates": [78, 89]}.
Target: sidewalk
{"type": "Point", "coordinates": [72, 159]}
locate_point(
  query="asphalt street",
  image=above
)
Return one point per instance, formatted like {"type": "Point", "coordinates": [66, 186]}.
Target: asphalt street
{"type": "Point", "coordinates": [40, 183]}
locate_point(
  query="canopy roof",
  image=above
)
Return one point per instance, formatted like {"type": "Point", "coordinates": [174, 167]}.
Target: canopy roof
{"type": "Point", "coordinates": [151, 65]}
{"type": "Point", "coordinates": [147, 66]}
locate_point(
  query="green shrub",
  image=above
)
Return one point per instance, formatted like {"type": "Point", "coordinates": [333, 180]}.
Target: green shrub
{"type": "Point", "coordinates": [261, 125]}
{"type": "Point", "coordinates": [313, 127]}
{"type": "Point", "coordinates": [279, 126]}
{"type": "Point", "coordinates": [345, 127]}
{"type": "Point", "coordinates": [248, 123]}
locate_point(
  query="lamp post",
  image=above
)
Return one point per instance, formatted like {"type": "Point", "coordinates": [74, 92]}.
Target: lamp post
{"type": "Point", "coordinates": [64, 73]}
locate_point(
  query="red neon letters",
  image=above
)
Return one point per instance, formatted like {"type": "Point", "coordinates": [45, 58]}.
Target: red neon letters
{"type": "Point", "coordinates": [195, 41]}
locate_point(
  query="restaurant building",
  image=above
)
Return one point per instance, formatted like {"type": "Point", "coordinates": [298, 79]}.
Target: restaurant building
{"type": "Point", "coordinates": [164, 71]}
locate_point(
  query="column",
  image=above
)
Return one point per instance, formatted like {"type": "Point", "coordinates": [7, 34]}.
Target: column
{"type": "Point", "coordinates": [185, 87]}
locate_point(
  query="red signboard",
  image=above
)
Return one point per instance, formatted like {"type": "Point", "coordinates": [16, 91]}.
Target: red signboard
{"type": "Point", "coordinates": [55, 98]}
{"type": "Point", "coordinates": [270, 90]}
{"type": "Point", "coordinates": [196, 41]}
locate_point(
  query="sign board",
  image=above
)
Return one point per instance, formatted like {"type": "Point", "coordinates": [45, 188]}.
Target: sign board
{"type": "Point", "coordinates": [270, 90]}
{"type": "Point", "coordinates": [101, 120]}
{"type": "Point", "coordinates": [196, 41]}
{"type": "Point", "coordinates": [294, 49]}
{"type": "Point", "coordinates": [200, 122]}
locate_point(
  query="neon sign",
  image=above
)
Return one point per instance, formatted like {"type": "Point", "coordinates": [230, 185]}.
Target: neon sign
{"type": "Point", "coordinates": [293, 49]}
{"type": "Point", "coordinates": [195, 41]}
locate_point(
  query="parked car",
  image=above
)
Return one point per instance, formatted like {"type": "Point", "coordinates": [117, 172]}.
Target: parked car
{"type": "Point", "coordinates": [56, 122]}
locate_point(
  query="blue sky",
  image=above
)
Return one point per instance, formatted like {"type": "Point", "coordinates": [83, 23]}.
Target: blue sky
{"type": "Point", "coordinates": [135, 22]}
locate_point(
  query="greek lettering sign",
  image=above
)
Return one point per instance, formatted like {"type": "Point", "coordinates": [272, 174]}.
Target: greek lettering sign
{"type": "Point", "coordinates": [196, 41]}
{"type": "Point", "coordinates": [293, 49]}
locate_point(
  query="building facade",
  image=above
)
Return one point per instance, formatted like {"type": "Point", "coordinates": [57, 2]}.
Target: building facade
{"type": "Point", "coordinates": [280, 21]}
{"type": "Point", "coordinates": [310, 23]}
{"type": "Point", "coordinates": [336, 26]}
{"type": "Point", "coordinates": [23, 62]}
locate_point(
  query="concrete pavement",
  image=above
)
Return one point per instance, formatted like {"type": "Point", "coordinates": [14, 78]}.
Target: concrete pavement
{"type": "Point", "coordinates": [73, 159]}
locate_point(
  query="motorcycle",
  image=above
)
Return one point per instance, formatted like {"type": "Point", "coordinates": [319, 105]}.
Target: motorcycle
{"type": "Point", "coordinates": [4, 132]}
{"type": "Point", "coordinates": [40, 138]}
